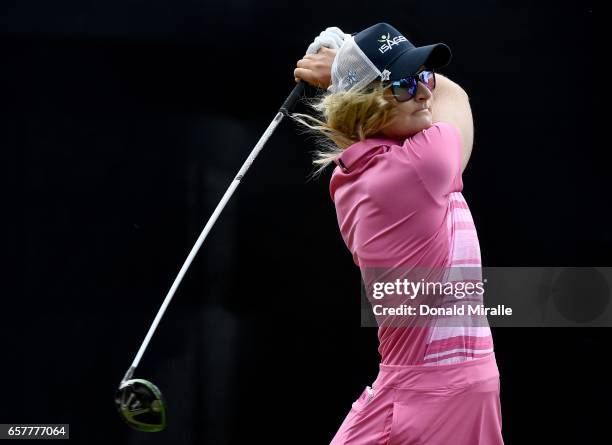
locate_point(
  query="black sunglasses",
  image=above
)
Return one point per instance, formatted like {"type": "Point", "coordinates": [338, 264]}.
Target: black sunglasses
{"type": "Point", "coordinates": [405, 89]}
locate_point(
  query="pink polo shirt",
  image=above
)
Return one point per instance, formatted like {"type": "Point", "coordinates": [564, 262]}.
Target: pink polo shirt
{"type": "Point", "coordinates": [392, 198]}
{"type": "Point", "coordinates": [399, 204]}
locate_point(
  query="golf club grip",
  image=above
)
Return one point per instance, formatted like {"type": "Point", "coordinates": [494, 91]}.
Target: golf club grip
{"type": "Point", "coordinates": [293, 97]}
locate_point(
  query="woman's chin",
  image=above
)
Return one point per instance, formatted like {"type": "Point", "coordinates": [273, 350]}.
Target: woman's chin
{"type": "Point", "coordinates": [425, 121]}
{"type": "Point", "coordinates": [415, 126]}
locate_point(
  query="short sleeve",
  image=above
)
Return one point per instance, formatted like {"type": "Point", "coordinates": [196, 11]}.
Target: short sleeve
{"type": "Point", "coordinates": [435, 153]}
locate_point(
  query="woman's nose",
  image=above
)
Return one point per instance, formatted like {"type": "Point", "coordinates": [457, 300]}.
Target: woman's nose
{"type": "Point", "coordinates": [423, 92]}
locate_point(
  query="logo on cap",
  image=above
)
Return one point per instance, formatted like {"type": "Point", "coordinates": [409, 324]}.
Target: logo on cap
{"type": "Point", "coordinates": [385, 75]}
{"type": "Point", "coordinates": [351, 77]}
{"type": "Point", "coordinates": [388, 42]}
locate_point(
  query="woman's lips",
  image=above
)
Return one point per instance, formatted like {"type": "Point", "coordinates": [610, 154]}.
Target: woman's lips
{"type": "Point", "coordinates": [422, 109]}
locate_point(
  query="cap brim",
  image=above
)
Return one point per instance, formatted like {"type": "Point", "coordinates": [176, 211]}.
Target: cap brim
{"type": "Point", "coordinates": [431, 56]}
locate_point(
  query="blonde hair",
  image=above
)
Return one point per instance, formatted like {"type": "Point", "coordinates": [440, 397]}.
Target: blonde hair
{"type": "Point", "coordinates": [342, 119]}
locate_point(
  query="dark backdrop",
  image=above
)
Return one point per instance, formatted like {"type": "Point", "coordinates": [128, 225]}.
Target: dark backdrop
{"type": "Point", "coordinates": [122, 124]}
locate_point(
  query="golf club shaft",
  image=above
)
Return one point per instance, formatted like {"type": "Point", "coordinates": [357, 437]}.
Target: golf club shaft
{"type": "Point", "coordinates": [283, 111]}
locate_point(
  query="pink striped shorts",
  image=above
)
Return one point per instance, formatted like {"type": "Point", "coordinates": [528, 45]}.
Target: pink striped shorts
{"type": "Point", "coordinates": [449, 404]}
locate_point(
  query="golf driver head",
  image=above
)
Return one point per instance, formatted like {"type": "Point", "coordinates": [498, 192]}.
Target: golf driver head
{"type": "Point", "coordinates": [141, 405]}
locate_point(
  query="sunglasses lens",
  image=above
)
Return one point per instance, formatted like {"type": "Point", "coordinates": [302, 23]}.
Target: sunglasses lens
{"type": "Point", "coordinates": [404, 89]}
{"type": "Point", "coordinates": [428, 78]}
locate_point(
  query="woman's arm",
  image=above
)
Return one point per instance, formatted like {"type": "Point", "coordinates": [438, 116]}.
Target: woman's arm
{"type": "Point", "coordinates": [451, 104]}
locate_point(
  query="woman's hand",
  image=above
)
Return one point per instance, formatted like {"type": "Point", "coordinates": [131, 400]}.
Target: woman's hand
{"type": "Point", "coordinates": [315, 69]}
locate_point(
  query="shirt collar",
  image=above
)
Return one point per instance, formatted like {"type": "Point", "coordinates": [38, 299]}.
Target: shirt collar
{"type": "Point", "coordinates": [353, 153]}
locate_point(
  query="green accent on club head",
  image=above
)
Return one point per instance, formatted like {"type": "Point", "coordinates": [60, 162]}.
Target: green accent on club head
{"type": "Point", "coordinates": [141, 405]}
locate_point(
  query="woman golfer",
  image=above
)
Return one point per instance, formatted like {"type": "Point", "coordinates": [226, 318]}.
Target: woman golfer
{"type": "Point", "coordinates": [400, 137]}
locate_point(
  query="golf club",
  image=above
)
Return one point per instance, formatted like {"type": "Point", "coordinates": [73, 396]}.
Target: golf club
{"type": "Point", "coordinates": [140, 402]}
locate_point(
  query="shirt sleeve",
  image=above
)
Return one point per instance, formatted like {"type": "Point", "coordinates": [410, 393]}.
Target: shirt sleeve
{"type": "Point", "coordinates": [435, 154]}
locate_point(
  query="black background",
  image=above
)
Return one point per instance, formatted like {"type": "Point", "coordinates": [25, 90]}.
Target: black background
{"type": "Point", "coordinates": [122, 124]}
